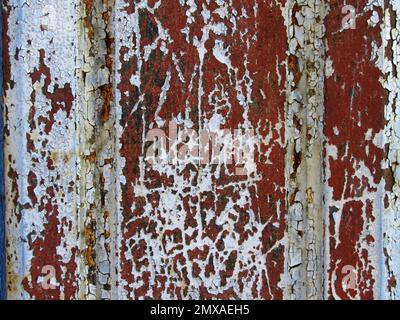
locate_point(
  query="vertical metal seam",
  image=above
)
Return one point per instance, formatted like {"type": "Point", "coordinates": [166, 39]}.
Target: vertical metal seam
{"type": "Point", "coordinates": [2, 198]}
{"type": "Point", "coordinates": [304, 130]}
{"type": "Point", "coordinates": [390, 219]}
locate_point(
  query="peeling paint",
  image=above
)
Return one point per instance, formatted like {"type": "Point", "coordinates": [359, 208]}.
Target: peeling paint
{"type": "Point", "coordinates": [40, 192]}
{"type": "Point", "coordinates": [304, 126]}
{"type": "Point", "coordinates": [317, 207]}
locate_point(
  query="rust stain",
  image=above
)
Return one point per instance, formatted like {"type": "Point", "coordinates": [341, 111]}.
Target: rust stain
{"type": "Point", "coordinates": [310, 195]}
{"type": "Point", "coordinates": [90, 240]}
{"type": "Point", "coordinates": [108, 97]}
{"type": "Point", "coordinates": [316, 207]}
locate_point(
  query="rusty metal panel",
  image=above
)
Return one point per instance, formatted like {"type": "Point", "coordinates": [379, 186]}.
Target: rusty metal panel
{"type": "Point", "coordinates": [41, 148]}
{"type": "Point", "coordinates": [359, 126]}
{"type": "Point", "coordinates": [201, 231]}
{"type": "Point", "coordinates": [188, 149]}
{"type": "Point", "coordinates": [354, 125]}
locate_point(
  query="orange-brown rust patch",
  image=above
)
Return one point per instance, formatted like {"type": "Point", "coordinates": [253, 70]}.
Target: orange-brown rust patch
{"type": "Point", "coordinates": [310, 195]}
{"type": "Point", "coordinates": [108, 96]}
{"type": "Point", "coordinates": [91, 157]}
{"type": "Point", "coordinates": [90, 240]}
{"type": "Point", "coordinates": [294, 68]}
{"type": "Point", "coordinates": [109, 54]}
{"type": "Point", "coordinates": [87, 20]}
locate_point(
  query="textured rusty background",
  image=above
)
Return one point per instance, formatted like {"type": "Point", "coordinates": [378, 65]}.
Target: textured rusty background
{"type": "Point", "coordinates": [317, 217]}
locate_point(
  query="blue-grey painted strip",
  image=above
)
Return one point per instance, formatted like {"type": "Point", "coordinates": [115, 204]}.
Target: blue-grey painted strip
{"type": "Point", "coordinates": [2, 240]}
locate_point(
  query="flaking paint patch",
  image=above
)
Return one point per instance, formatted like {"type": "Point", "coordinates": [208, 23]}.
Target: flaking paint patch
{"type": "Point", "coordinates": [40, 195]}
{"type": "Point", "coordinates": [189, 231]}
{"type": "Point", "coordinates": [304, 123]}
{"type": "Point", "coordinates": [354, 184]}
{"type": "Point", "coordinates": [82, 95]}
{"type": "Point", "coordinates": [97, 149]}
{"type": "Point", "coordinates": [388, 62]}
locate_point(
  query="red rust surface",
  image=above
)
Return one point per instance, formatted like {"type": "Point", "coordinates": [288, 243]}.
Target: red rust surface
{"type": "Point", "coordinates": [196, 259]}
{"type": "Point", "coordinates": [315, 215]}
{"type": "Point", "coordinates": [354, 100]}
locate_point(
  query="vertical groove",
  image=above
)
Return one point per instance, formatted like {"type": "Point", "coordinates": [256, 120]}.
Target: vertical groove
{"type": "Point", "coordinates": [97, 140]}
{"type": "Point", "coordinates": [304, 122]}
{"type": "Point", "coordinates": [390, 283]}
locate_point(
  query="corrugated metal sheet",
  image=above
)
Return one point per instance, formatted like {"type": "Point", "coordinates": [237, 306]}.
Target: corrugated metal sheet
{"type": "Point", "coordinates": [304, 205]}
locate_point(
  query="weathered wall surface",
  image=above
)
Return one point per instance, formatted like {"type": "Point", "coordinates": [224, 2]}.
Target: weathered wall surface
{"type": "Point", "coordinates": [2, 236]}
{"type": "Point", "coordinates": [90, 84]}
